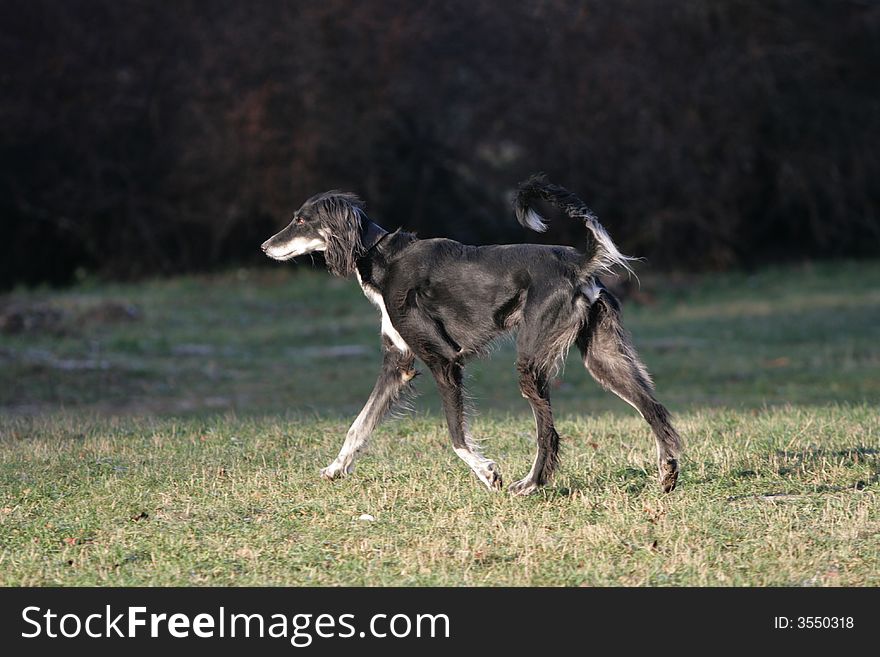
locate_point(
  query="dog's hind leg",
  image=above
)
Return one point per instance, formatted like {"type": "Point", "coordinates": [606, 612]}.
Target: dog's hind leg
{"type": "Point", "coordinates": [448, 375]}
{"type": "Point", "coordinates": [612, 360]}
{"type": "Point", "coordinates": [534, 387]}
{"type": "Point", "coordinates": [397, 371]}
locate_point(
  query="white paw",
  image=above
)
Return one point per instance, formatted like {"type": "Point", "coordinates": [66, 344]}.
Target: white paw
{"type": "Point", "coordinates": [490, 474]}
{"type": "Point", "coordinates": [334, 471]}
{"type": "Point", "coordinates": [523, 487]}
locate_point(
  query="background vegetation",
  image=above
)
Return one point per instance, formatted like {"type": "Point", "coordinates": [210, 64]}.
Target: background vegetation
{"type": "Point", "coordinates": [158, 137]}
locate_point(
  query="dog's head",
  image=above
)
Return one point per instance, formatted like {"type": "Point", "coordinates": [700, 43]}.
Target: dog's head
{"type": "Point", "coordinates": [331, 222]}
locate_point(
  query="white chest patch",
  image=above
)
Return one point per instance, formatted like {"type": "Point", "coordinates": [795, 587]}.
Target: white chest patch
{"type": "Point", "coordinates": [591, 291]}
{"type": "Point", "coordinates": [377, 300]}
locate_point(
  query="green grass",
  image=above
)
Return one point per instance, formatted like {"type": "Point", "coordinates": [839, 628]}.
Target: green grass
{"type": "Point", "coordinates": [183, 446]}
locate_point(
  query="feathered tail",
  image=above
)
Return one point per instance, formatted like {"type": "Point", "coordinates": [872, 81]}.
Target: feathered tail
{"type": "Point", "coordinates": [602, 254]}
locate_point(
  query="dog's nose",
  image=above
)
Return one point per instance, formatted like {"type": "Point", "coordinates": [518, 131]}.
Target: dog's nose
{"type": "Point", "coordinates": [265, 245]}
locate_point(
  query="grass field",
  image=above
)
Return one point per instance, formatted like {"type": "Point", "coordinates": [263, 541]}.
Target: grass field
{"type": "Point", "coordinates": [171, 432]}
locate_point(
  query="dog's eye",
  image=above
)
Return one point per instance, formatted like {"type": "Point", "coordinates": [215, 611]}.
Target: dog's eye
{"type": "Point", "coordinates": [300, 221]}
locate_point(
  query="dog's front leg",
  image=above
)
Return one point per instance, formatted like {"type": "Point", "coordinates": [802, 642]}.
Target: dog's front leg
{"type": "Point", "coordinates": [397, 372]}
{"type": "Point", "coordinates": [448, 375]}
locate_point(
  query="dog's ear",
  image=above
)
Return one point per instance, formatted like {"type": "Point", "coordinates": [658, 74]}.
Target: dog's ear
{"type": "Point", "coordinates": [342, 218]}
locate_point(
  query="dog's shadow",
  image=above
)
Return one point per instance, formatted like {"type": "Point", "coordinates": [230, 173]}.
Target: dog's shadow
{"type": "Point", "coordinates": [854, 454]}
{"type": "Point", "coordinates": [631, 480]}
{"type": "Point", "coordinates": [792, 462]}
{"type": "Point", "coordinates": [635, 481]}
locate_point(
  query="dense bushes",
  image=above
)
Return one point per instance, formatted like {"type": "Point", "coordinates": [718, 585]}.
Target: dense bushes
{"type": "Point", "coordinates": [144, 137]}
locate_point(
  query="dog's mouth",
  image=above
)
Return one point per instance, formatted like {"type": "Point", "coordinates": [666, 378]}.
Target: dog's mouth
{"type": "Point", "coordinates": [299, 246]}
{"type": "Point", "coordinates": [287, 256]}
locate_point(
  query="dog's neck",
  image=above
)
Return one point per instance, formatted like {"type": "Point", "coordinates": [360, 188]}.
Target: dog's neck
{"type": "Point", "coordinates": [372, 235]}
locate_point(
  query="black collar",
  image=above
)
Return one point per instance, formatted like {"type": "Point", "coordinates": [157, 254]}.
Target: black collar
{"type": "Point", "coordinates": [372, 235]}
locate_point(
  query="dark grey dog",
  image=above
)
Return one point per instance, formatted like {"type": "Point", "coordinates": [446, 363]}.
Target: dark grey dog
{"type": "Point", "coordinates": [445, 302]}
